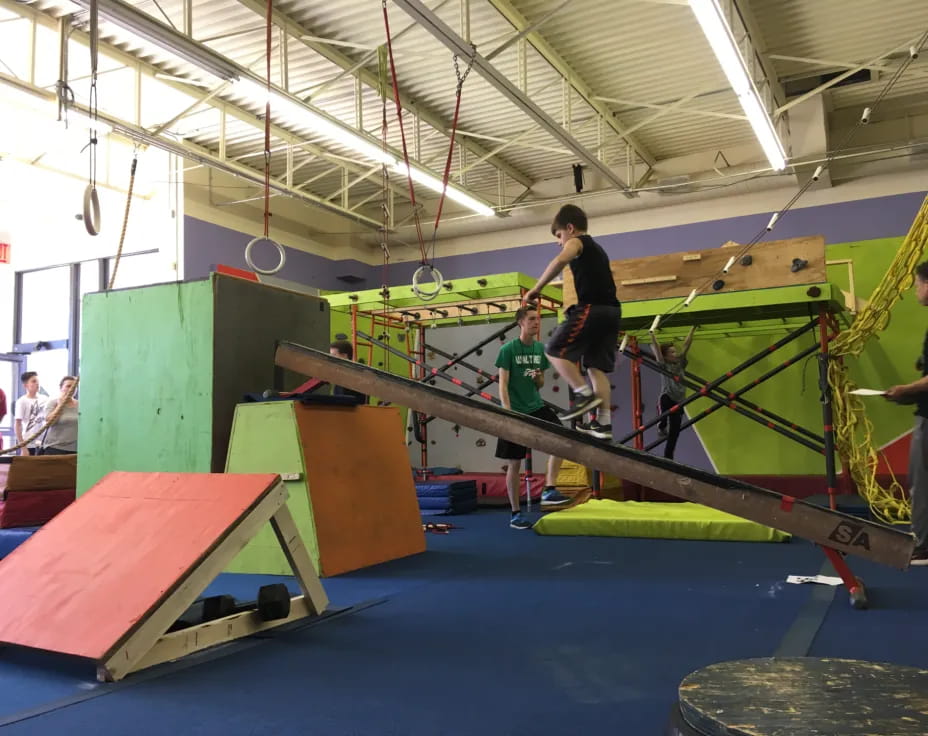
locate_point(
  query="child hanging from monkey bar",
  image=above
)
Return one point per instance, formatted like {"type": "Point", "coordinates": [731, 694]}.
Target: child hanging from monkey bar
{"type": "Point", "coordinates": [673, 391]}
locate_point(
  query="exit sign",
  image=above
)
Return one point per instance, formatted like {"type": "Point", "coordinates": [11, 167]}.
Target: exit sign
{"type": "Point", "coordinates": [4, 252]}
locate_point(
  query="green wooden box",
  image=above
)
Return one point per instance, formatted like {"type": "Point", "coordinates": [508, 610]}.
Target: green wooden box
{"type": "Point", "coordinates": [163, 367]}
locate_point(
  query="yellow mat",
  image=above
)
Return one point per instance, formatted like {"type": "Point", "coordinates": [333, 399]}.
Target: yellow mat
{"type": "Point", "coordinates": [604, 518]}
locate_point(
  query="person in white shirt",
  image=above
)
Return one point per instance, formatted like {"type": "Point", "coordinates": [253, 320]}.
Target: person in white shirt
{"type": "Point", "coordinates": [29, 413]}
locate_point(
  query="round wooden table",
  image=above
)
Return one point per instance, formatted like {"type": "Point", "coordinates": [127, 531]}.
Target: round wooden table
{"type": "Point", "coordinates": [803, 696]}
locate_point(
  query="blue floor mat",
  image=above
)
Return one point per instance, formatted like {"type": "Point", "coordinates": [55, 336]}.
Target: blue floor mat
{"type": "Point", "coordinates": [492, 630]}
{"type": "Point", "coordinates": [545, 634]}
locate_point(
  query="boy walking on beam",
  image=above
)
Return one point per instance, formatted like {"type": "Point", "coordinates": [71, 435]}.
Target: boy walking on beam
{"type": "Point", "coordinates": [590, 334]}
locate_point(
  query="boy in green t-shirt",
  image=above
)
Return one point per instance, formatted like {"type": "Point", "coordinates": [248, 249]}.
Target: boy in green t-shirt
{"type": "Point", "coordinates": [522, 363]}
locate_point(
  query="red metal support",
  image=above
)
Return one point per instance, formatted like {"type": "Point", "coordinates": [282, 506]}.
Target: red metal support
{"type": "Point", "coordinates": [854, 585]}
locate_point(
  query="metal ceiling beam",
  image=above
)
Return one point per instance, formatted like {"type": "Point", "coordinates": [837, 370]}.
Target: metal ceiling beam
{"type": "Point", "coordinates": [520, 23]}
{"type": "Point", "coordinates": [191, 151]}
{"type": "Point", "coordinates": [433, 25]}
{"type": "Point", "coordinates": [369, 78]}
{"type": "Point", "coordinates": [679, 110]}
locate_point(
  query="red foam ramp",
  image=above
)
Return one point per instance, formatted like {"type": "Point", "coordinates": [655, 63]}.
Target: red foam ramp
{"type": "Point", "coordinates": [81, 583]}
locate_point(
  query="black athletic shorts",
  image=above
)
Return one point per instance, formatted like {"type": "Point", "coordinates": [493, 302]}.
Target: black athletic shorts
{"type": "Point", "coordinates": [506, 450]}
{"type": "Point", "coordinates": [590, 335]}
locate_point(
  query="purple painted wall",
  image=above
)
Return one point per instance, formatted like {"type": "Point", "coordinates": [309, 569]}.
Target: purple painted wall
{"type": "Point", "coordinates": [867, 219]}
{"type": "Point", "coordinates": [206, 245]}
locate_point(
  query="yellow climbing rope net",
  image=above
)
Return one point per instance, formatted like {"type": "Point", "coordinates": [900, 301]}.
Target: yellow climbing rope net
{"type": "Point", "coordinates": [853, 429]}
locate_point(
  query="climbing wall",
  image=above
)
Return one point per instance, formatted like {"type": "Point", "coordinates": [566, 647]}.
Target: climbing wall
{"type": "Point", "coordinates": [459, 446]}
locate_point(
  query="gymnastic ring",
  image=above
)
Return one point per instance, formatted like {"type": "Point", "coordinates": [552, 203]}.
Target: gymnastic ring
{"type": "Point", "coordinates": [251, 264]}
{"type": "Point", "coordinates": [91, 214]}
{"type": "Point", "coordinates": [417, 290]}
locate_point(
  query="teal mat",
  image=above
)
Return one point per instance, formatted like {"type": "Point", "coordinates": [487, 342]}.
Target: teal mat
{"type": "Point", "coordinates": [654, 520]}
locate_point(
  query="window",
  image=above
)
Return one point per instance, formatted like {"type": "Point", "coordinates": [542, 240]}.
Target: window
{"type": "Point", "coordinates": [140, 269]}
{"type": "Point", "coordinates": [46, 305]}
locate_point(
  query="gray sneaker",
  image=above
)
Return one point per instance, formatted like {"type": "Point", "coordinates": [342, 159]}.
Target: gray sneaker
{"type": "Point", "coordinates": [553, 497]}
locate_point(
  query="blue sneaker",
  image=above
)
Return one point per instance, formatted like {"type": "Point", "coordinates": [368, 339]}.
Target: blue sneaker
{"type": "Point", "coordinates": [551, 497]}
{"type": "Point", "coordinates": [519, 522]}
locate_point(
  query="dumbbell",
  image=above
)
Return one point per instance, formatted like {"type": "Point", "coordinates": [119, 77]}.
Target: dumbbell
{"type": "Point", "coordinates": [273, 603]}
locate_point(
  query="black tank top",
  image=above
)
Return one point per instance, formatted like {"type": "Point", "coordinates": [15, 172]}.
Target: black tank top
{"type": "Point", "coordinates": [592, 275]}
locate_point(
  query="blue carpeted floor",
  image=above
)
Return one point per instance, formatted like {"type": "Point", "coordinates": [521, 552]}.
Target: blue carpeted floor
{"type": "Point", "coordinates": [492, 630]}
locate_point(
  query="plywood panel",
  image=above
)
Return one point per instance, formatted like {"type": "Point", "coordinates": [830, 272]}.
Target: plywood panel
{"type": "Point", "coordinates": [361, 486]}
{"type": "Point", "coordinates": [677, 274]}
{"type": "Point", "coordinates": [42, 473]}
{"type": "Point", "coordinates": [87, 578]}
{"type": "Point", "coordinates": [265, 439]}
{"type": "Point", "coordinates": [158, 415]}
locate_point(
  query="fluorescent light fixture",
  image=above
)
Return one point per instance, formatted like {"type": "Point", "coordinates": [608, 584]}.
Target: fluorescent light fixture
{"type": "Point", "coordinates": [283, 105]}
{"type": "Point", "coordinates": [289, 109]}
{"type": "Point", "coordinates": [455, 195]}
{"type": "Point", "coordinates": [717, 32]}
{"type": "Point", "coordinates": [175, 43]}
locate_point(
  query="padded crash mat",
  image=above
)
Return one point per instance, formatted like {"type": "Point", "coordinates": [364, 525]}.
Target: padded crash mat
{"type": "Point", "coordinates": [97, 569]}
{"type": "Point", "coordinates": [604, 518]}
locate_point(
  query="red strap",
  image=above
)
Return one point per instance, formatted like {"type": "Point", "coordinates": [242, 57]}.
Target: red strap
{"type": "Point", "coordinates": [786, 503]}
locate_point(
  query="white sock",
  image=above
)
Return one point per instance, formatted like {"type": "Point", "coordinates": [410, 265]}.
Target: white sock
{"type": "Point", "coordinates": [585, 392]}
{"type": "Point", "coordinates": [603, 416]}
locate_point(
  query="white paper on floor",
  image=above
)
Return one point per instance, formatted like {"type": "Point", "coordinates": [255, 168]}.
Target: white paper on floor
{"type": "Point", "coordinates": [821, 579]}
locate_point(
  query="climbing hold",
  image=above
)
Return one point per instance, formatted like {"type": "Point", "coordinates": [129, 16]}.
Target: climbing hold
{"type": "Point", "coordinates": [718, 284]}
{"type": "Point", "coordinates": [747, 260]}
{"type": "Point", "coordinates": [555, 388]}
{"type": "Point", "coordinates": [481, 442]}
{"type": "Point", "coordinates": [613, 407]}
{"type": "Point", "coordinates": [814, 291]}
{"type": "Point", "coordinates": [798, 265]}
{"type": "Point", "coordinates": [480, 352]}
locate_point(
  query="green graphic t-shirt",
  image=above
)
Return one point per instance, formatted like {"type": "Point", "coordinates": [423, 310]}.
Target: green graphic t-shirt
{"type": "Point", "coordinates": [520, 360]}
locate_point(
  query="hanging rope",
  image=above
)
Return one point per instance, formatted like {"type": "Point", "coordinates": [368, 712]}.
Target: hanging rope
{"type": "Point", "coordinates": [267, 163]}
{"type": "Point", "coordinates": [425, 267]}
{"type": "Point", "coordinates": [454, 127]}
{"type": "Point", "coordinates": [125, 219]}
{"type": "Point", "coordinates": [385, 190]}
{"type": "Point", "coordinates": [91, 209]}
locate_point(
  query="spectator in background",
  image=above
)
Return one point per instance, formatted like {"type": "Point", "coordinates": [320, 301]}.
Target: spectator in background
{"type": "Point", "coordinates": [343, 349]}
{"type": "Point", "coordinates": [2, 412]}
{"type": "Point", "coordinates": [61, 437]}
{"type": "Point", "coordinates": [29, 413]}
